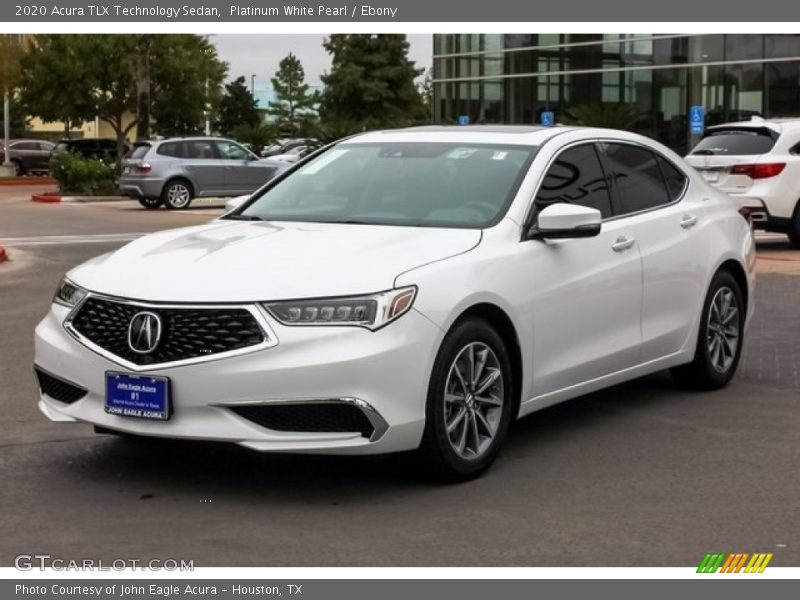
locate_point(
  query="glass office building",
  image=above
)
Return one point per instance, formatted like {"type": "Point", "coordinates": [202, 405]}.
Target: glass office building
{"type": "Point", "coordinates": [496, 78]}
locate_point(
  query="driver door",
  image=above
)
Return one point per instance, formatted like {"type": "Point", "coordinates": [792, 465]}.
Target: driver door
{"type": "Point", "coordinates": [586, 293]}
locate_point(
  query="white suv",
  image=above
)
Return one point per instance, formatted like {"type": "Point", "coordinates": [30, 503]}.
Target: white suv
{"type": "Point", "coordinates": [758, 163]}
{"type": "Point", "coordinates": [411, 289]}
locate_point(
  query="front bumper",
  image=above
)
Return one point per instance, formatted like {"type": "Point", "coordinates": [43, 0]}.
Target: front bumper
{"type": "Point", "coordinates": [385, 373]}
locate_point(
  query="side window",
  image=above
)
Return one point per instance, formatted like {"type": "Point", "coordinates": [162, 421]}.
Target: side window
{"type": "Point", "coordinates": [231, 151]}
{"type": "Point", "coordinates": [575, 177]}
{"type": "Point", "coordinates": [675, 178]}
{"type": "Point", "coordinates": [201, 149]}
{"type": "Point", "coordinates": [795, 149]}
{"type": "Point", "coordinates": [174, 149]}
{"type": "Point", "coordinates": [637, 177]}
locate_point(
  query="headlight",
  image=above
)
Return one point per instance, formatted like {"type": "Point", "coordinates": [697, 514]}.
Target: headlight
{"type": "Point", "coordinates": [373, 311]}
{"type": "Point", "coordinates": [68, 294]}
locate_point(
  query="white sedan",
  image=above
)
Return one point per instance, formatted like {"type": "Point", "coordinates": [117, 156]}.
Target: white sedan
{"type": "Point", "coordinates": [415, 289]}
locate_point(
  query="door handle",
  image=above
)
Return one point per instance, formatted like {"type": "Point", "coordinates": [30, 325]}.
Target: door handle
{"type": "Point", "coordinates": [688, 221]}
{"type": "Point", "coordinates": [622, 244]}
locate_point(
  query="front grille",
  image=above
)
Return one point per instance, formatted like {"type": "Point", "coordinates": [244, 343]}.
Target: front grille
{"type": "Point", "coordinates": [187, 332]}
{"type": "Point", "coordinates": [322, 417]}
{"type": "Point", "coordinates": [58, 389]}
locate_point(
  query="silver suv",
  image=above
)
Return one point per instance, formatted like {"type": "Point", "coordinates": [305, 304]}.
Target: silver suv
{"type": "Point", "coordinates": [174, 171]}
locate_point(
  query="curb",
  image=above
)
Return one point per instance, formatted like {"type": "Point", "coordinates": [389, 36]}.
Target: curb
{"type": "Point", "coordinates": [10, 181]}
{"type": "Point", "coordinates": [3, 255]}
{"type": "Point", "coordinates": [48, 198]}
{"type": "Point", "coordinates": [53, 197]}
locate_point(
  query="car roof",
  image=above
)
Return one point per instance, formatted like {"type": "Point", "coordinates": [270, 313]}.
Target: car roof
{"type": "Point", "coordinates": [778, 125]}
{"type": "Point", "coordinates": [523, 135]}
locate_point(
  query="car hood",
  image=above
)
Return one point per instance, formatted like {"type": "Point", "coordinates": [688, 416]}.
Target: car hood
{"type": "Point", "coordinates": [235, 261]}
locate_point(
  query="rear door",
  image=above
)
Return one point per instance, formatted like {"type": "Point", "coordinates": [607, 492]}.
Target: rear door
{"type": "Point", "coordinates": [652, 194]}
{"type": "Point", "coordinates": [724, 147]}
{"type": "Point", "coordinates": [204, 168]}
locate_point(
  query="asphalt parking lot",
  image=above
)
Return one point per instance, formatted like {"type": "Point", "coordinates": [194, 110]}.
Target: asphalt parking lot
{"type": "Point", "coordinates": [643, 474]}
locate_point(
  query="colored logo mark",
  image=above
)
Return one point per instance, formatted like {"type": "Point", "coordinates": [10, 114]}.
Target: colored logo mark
{"type": "Point", "coordinates": [736, 562]}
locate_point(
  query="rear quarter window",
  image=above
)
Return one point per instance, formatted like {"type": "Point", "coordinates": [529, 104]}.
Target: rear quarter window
{"type": "Point", "coordinates": [139, 151]}
{"type": "Point", "coordinates": [737, 142]}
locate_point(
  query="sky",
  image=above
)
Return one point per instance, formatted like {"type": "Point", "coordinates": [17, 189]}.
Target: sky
{"type": "Point", "coordinates": [260, 54]}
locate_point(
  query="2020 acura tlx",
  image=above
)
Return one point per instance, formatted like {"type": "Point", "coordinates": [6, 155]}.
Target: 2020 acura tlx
{"type": "Point", "coordinates": [412, 289]}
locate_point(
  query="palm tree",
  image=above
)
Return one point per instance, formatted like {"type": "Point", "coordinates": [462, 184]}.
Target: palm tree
{"type": "Point", "coordinates": [611, 116]}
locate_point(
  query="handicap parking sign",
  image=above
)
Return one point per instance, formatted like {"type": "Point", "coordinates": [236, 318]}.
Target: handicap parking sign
{"type": "Point", "coordinates": [463, 120]}
{"type": "Point", "coordinates": [547, 118]}
{"type": "Point", "coordinates": [697, 120]}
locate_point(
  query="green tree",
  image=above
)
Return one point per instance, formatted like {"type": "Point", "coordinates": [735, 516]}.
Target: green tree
{"type": "Point", "coordinates": [75, 78]}
{"type": "Point", "coordinates": [10, 72]}
{"type": "Point", "coordinates": [426, 92]}
{"type": "Point", "coordinates": [371, 82]}
{"type": "Point", "coordinates": [237, 107]}
{"type": "Point", "coordinates": [612, 116]}
{"type": "Point", "coordinates": [187, 77]}
{"type": "Point", "coordinates": [294, 104]}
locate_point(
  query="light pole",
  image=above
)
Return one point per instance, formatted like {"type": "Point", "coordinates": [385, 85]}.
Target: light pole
{"type": "Point", "coordinates": [253, 85]}
{"type": "Point", "coordinates": [6, 129]}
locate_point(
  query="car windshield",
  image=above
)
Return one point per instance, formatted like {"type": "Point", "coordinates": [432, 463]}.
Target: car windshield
{"type": "Point", "coordinates": [406, 184]}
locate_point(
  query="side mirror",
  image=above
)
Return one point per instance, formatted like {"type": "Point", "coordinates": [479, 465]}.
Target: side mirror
{"type": "Point", "coordinates": [236, 202]}
{"type": "Point", "coordinates": [562, 221]}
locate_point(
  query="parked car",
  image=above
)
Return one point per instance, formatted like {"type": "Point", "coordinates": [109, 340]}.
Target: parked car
{"type": "Point", "coordinates": [101, 148]}
{"type": "Point", "coordinates": [27, 155]}
{"type": "Point", "coordinates": [757, 162]}
{"type": "Point", "coordinates": [295, 154]}
{"type": "Point", "coordinates": [287, 146]}
{"type": "Point", "coordinates": [416, 289]}
{"type": "Point", "coordinates": [174, 171]}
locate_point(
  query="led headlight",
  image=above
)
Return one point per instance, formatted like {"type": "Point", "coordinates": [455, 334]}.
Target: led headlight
{"type": "Point", "coordinates": [372, 311]}
{"type": "Point", "coordinates": [68, 294]}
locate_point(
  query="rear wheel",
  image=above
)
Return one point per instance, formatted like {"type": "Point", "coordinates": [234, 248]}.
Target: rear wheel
{"type": "Point", "coordinates": [469, 405]}
{"type": "Point", "coordinates": [150, 203]}
{"type": "Point", "coordinates": [19, 170]}
{"type": "Point", "coordinates": [794, 227]}
{"type": "Point", "coordinates": [177, 194]}
{"type": "Point", "coordinates": [719, 341]}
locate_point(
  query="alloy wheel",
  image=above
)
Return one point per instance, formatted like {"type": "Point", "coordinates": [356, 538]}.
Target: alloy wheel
{"type": "Point", "coordinates": [473, 400]}
{"type": "Point", "coordinates": [722, 329]}
{"type": "Point", "coordinates": [178, 195]}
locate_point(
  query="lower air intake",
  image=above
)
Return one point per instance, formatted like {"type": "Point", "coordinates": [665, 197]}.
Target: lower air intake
{"type": "Point", "coordinates": [58, 389]}
{"type": "Point", "coordinates": [321, 417]}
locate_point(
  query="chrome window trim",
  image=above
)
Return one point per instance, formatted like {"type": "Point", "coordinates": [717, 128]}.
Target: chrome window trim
{"type": "Point", "coordinates": [270, 339]}
{"type": "Point", "coordinates": [379, 424]}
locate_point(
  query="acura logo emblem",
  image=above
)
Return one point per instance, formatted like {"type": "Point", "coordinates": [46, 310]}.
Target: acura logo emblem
{"type": "Point", "coordinates": [144, 332]}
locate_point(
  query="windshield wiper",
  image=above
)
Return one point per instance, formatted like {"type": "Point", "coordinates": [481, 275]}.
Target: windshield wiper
{"type": "Point", "coordinates": [703, 152]}
{"type": "Point", "coordinates": [243, 218]}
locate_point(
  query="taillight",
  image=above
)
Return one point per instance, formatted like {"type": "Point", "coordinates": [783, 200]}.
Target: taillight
{"type": "Point", "coordinates": [142, 167]}
{"type": "Point", "coordinates": [759, 171]}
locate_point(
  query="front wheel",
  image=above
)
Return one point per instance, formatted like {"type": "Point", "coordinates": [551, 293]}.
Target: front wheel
{"type": "Point", "coordinates": [150, 203]}
{"type": "Point", "coordinates": [719, 341]}
{"type": "Point", "coordinates": [470, 403]}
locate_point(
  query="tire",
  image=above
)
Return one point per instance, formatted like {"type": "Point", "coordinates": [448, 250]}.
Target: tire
{"type": "Point", "coordinates": [720, 337]}
{"type": "Point", "coordinates": [794, 228]}
{"type": "Point", "coordinates": [150, 203]}
{"type": "Point", "coordinates": [177, 194]}
{"type": "Point", "coordinates": [461, 454]}
{"type": "Point", "coordinates": [19, 170]}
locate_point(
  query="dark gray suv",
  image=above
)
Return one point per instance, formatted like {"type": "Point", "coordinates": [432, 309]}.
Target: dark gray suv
{"type": "Point", "coordinates": [174, 171]}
